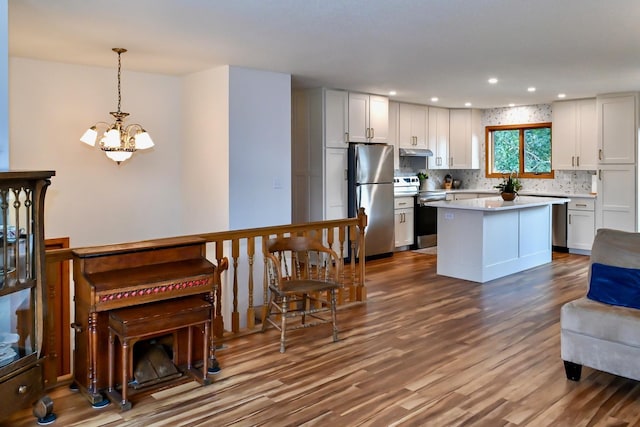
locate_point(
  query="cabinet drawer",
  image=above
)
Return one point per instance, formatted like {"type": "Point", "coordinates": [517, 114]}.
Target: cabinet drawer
{"type": "Point", "coordinates": [403, 202]}
{"type": "Point", "coordinates": [22, 390]}
{"type": "Point", "coordinates": [582, 204]}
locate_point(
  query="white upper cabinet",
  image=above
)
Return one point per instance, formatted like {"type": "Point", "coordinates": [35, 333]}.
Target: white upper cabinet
{"type": "Point", "coordinates": [368, 118]}
{"type": "Point", "coordinates": [413, 125]}
{"type": "Point", "coordinates": [465, 138]}
{"type": "Point", "coordinates": [617, 128]}
{"type": "Point", "coordinates": [574, 135]}
{"type": "Point", "coordinates": [438, 138]}
{"type": "Point", "coordinates": [379, 118]}
{"type": "Point", "coordinates": [394, 132]}
{"type": "Point", "coordinates": [336, 111]}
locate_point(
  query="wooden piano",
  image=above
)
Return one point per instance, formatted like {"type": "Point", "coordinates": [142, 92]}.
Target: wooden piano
{"type": "Point", "coordinates": [125, 275]}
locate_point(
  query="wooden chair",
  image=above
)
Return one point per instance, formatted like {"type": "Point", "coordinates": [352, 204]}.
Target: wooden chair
{"type": "Point", "coordinates": [303, 279]}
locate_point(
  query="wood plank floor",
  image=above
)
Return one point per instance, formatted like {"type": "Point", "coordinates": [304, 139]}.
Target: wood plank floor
{"type": "Point", "coordinates": [424, 350]}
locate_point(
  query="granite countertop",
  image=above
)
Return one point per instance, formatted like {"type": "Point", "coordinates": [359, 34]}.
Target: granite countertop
{"type": "Point", "coordinates": [497, 204]}
{"type": "Point", "coordinates": [524, 193]}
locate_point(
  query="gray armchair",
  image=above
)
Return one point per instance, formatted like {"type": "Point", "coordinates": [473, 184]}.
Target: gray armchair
{"type": "Point", "coordinates": [606, 335]}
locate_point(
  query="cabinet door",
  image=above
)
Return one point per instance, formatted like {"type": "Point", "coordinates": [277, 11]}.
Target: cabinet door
{"type": "Point", "coordinates": [398, 227]}
{"type": "Point", "coordinates": [616, 201]}
{"type": "Point", "coordinates": [336, 113]}
{"type": "Point", "coordinates": [617, 129]}
{"type": "Point", "coordinates": [413, 125]}
{"type": "Point", "coordinates": [403, 227]}
{"type": "Point", "coordinates": [409, 227]}
{"type": "Point", "coordinates": [586, 143]}
{"type": "Point", "coordinates": [358, 117]}
{"type": "Point", "coordinates": [378, 119]}
{"type": "Point", "coordinates": [439, 138]}
{"type": "Point", "coordinates": [580, 229]}
{"type": "Point", "coordinates": [464, 139]}
{"type": "Point", "coordinates": [564, 135]}
{"type": "Point", "coordinates": [335, 191]}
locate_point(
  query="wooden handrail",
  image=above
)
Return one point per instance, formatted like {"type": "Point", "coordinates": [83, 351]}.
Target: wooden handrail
{"type": "Point", "coordinates": [229, 248]}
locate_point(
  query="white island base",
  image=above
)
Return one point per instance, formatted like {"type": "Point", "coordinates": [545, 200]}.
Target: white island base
{"type": "Point", "coordinates": [484, 239]}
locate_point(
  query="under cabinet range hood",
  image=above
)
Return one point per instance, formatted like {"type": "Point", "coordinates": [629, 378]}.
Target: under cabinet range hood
{"type": "Point", "coordinates": [415, 152]}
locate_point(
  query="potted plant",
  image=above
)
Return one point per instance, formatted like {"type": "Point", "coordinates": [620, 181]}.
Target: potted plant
{"type": "Point", "coordinates": [509, 187]}
{"type": "Point", "coordinates": [422, 176]}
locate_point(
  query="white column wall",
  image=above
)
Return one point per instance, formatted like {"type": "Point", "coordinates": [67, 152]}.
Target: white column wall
{"type": "Point", "coordinates": [259, 148]}
{"type": "Point", "coordinates": [205, 151]}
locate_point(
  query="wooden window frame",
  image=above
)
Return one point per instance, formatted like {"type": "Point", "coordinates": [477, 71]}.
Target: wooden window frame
{"type": "Point", "coordinates": [489, 150]}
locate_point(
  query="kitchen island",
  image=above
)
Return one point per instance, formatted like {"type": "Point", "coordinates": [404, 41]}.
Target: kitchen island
{"type": "Point", "coordinates": [487, 238]}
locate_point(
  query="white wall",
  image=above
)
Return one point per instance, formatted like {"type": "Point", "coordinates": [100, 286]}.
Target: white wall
{"type": "Point", "coordinates": [205, 151]}
{"type": "Point", "coordinates": [4, 84]}
{"type": "Point", "coordinates": [92, 199]}
{"type": "Point", "coordinates": [222, 158]}
{"type": "Point", "coordinates": [237, 158]}
{"type": "Point", "coordinates": [259, 148]}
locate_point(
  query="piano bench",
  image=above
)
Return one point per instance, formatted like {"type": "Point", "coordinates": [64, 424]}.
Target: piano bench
{"type": "Point", "coordinates": [148, 320]}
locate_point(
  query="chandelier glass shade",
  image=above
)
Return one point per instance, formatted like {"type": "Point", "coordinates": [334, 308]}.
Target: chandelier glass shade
{"type": "Point", "coordinates": [118, 141]}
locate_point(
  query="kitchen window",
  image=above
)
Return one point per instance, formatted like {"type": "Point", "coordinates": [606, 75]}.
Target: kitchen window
{"type": "Point", "coordinates": [521, 149]}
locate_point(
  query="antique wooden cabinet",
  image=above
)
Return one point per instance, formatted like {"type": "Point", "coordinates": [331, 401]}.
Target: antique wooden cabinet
{"type": "Point", "coordinates": [130, 275]}
{"type": "Point", "coordinates": [23, 293]}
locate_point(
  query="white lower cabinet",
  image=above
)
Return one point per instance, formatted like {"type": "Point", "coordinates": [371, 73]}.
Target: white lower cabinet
{"type": "Point", "coordinates": [404, 221]}
{"type": "Point", "coordinates": [616, 201]}
{"type": "Point", "coordinates": [581, 224]}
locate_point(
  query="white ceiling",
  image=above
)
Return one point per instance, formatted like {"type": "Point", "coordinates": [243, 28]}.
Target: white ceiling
{"type": "Point", "coordinates": [420, 48]}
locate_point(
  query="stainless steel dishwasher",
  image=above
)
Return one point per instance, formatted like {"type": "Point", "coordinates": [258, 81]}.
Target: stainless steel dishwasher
{"type": "Point", "coordinates": [559, 227]}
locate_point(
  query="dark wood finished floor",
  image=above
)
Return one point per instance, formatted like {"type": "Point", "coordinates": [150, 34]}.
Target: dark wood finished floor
{"type": "Point", "coordinates": [424, 351]}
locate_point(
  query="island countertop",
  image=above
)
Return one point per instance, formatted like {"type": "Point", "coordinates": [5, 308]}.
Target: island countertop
{"type": "Point", "coordinates": [497, 204]}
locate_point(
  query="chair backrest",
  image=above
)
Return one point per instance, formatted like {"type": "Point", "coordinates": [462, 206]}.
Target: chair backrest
{"type": "Point", "coordinates": [301, 258]}
{"type": "Point", "coordinates": [617, 248]}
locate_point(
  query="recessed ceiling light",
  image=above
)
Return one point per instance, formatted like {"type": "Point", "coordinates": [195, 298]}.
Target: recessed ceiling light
{"type": "Point", "coordinates": [512, 105]}
{"type": "Point", "coordinates": [392, 92]}
{"type": "Point", "coordinates": [434, 99]}
{"type": "Point", "coordinates": [531, 89]}
{"type": "Point", "coordinates": [562, 95]}
{"type": "Point", "coordinates": [467, 104]}
{"type": "Point", "coordinates": [493, 80]}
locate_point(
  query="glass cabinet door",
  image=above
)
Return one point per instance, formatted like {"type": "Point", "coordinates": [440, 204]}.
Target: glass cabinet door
{"type": "Point", "coordinates": [17, 274]}
{"type": "Point", "coordinates": [23, 294]}
{"type": "Point", "coordinates": [17, 337]}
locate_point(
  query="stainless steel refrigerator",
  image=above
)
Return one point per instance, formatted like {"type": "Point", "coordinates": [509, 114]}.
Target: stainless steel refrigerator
{"type": "Point", "coordinates": [371, 187]}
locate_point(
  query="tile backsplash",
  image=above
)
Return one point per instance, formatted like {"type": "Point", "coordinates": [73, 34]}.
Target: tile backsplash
{"type": "Point", "coordinates": [565, 182]}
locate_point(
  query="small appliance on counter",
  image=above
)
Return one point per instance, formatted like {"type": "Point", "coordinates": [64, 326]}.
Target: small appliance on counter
{"type": "Point", "coordinates": [448, 181]}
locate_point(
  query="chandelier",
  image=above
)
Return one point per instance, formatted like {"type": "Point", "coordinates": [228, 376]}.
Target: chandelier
{"type": "Point", "coordinates": [118, 141]}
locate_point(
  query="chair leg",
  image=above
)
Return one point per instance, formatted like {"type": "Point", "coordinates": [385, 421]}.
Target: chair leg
{"type": "Point", "coordinates": [573, 370]}
{"type": "Point", "coordinates": [305, 302]}
{"type": "Point", "coordinates": [333, 315]}
{"type": "Point", "coordinates": [267, 312]}
{"type": "Point", "coordinates": [283, 326]}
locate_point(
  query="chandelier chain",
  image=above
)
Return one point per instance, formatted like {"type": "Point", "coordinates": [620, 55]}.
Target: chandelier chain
{"type": "Point", "coordinates": [119, 73]}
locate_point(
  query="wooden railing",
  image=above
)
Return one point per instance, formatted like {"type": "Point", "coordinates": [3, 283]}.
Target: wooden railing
{"type": "Point", "coordinates": [235, 254]}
